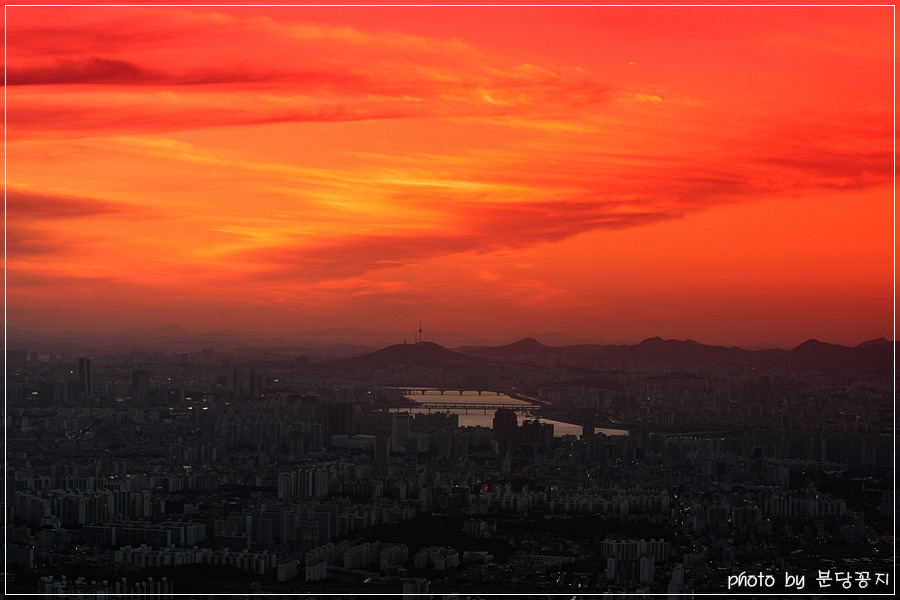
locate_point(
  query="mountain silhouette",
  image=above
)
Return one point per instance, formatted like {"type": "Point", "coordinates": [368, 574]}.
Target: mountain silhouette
{"type": "Point", "coordinates": [422, 354]}
{"type": "Point", "coordinates": [815, 355]}
{"type": "Point", "coordinates": [652, 351]}
{"type": "Point", "coordinates": [524, 346]}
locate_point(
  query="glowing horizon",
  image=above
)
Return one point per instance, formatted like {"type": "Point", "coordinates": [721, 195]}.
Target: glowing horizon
{"type": "Point", "coordinates": [721, 174]}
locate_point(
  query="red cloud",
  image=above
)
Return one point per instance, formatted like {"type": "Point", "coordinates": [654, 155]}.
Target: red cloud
{"type": "Point", "coordinates": [483, 229]}
{"type": "Point", "coordinates": [22, 205]}
{"type": "Point", "coordinates": [90, 70]}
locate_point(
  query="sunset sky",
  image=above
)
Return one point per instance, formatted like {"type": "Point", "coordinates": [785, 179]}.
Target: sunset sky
{"type": "Point", "coordinates": [722, 174]}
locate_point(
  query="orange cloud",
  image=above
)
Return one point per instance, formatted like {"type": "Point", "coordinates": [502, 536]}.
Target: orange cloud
{"type": "Point", "coordinates": [381, 157]}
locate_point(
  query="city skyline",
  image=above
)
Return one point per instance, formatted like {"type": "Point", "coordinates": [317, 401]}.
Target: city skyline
{"type": "Point", "coordinates": [720, 174]}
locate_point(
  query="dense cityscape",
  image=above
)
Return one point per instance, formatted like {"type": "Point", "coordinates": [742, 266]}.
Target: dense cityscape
{"type": "Point", "coordinates": [665, 467]}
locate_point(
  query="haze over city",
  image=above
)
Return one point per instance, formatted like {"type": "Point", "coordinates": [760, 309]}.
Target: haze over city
{"type": "Point", "coordinates": [723, 174]}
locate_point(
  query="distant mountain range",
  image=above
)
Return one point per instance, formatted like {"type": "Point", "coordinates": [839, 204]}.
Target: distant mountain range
{"type": "Point", "coordinates": [811, 355]}
{"type": "Point", "coordinates": [359, 345]}
{"type": "Point", "coordinates": [670, 354]}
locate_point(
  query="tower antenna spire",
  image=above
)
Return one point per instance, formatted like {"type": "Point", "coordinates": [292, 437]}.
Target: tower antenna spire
{"type": "Point", "coordinates": [420, 331]}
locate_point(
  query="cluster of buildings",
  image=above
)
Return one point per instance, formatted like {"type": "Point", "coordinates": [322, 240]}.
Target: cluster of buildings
{"type": "Point", "coordinates": [303, 483]}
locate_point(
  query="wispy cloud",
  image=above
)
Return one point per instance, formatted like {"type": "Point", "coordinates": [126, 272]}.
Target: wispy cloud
{"type": "Point", "coordinates": [26, 205]}
{"type": "Point", "coordinates": [95, 70]}
{"type": "Point", "coordinates": [322, 74]}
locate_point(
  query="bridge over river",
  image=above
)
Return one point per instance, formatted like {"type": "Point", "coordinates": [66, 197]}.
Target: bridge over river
{"type": "Point", "coordinates": [417, 391]}
{"type": "Point", "coordinates": [468, 407]}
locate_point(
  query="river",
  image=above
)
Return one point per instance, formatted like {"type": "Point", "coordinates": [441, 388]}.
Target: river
{"type": "Point", "coordinates": [482, 418]}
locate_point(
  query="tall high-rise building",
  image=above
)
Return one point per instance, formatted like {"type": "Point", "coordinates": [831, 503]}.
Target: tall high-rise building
{"type": "Point", "coordinates": [382, 446]}
{"type": "Point", "coordinates": [505, 429]}
{"type": "Point", "coordinates": [587, 427]}
{"type": "Point", "coordinates": [85, 388]}
{"type": "Point", "coordinates": [536, 437]}
{"type": "Point", "coordinates": [399, 431]}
